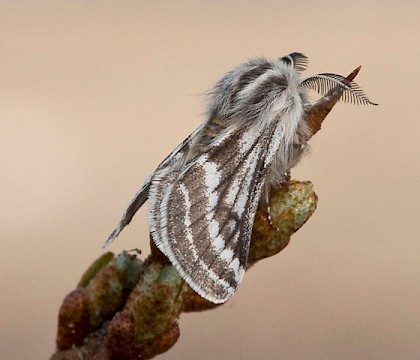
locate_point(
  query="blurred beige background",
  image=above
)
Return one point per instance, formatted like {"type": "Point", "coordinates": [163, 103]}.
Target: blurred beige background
{"type": "Point", "coordinates": [94, 94]}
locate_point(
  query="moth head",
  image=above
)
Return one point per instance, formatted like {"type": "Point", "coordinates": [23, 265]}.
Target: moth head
{"type": "Point", "coordinates": [255, 86]}
{"type": "Point", "coordinates": [260, 85]}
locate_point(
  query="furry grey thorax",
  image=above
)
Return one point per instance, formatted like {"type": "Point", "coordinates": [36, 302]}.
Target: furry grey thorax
{"type": "Point", "coordinates": [253, 96]}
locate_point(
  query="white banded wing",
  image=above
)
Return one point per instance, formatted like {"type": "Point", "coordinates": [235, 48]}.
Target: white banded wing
{"type": "Point", "coordinates": [202, 219]}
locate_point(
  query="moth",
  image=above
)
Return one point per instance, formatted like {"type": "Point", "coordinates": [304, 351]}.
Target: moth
{"type": "Point", "coordinates": [203, 197]}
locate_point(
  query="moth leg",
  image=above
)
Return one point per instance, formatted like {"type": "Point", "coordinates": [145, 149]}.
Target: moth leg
{"type": "Point", "coordinates": [268, 207]}
{"type": "Point", "coordinates": [287, 177]}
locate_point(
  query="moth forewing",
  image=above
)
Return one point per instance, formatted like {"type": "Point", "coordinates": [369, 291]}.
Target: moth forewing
{"type": "Point", "coordinates": [209, 211]}
{"type": "Point", "coordinates": [174, 160]}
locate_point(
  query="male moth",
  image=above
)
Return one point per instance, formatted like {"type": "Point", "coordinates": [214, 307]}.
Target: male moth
{"type": "Point", "coordinates": [203, 197]}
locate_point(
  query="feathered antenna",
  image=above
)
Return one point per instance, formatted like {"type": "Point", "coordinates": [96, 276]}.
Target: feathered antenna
{"type": "Point", "coordinates": [298, 60]}
{"type": "Point", "coordinates": [324, 83]}
{"type": "Point", "coordinates": [316, 112]}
